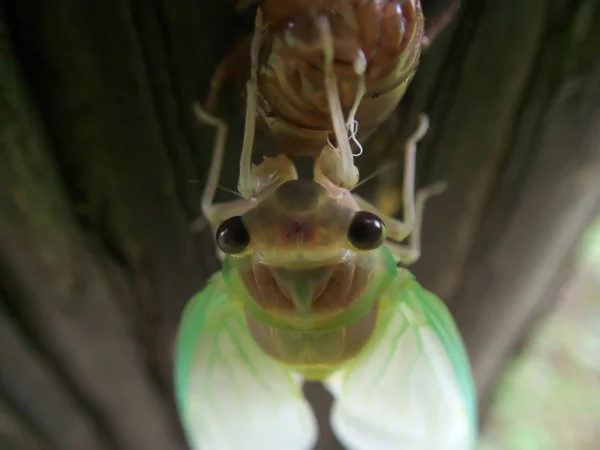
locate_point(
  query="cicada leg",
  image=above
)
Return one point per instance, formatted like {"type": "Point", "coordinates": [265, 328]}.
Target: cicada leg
{"type": "Point", "coordinates": [328, 163]}
{"type": "Point", "coordinates": [344, 173]}
{"type": "Point", "coordinates": [398, 230]}
{"type": "Point", "coordinates": [254, 181]}
{"type": "Point", "coordinates": [409, 254]}
{"type": "Point", "coordinates": [215, 213]}
{"type": "Point", "coordinates": [272, 172]}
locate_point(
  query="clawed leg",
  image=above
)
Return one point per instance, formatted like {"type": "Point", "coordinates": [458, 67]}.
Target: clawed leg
{"type": "Point", "coordinates": [360, 67]}
{"type": "Point", "coordinates": [216, 213]}
{"type": "Point", "coordinates": [213, 213]}
{"type": "Point", "coordinates": [398, 230]}
{"type": "Point", "coordinates": [409, 254]}
{"type": "Point", "coordinates": [346, 174]}
{"type": "Point", "coordinates": [405, 254]}
{"type": "Point", "coordinates": [328, 170]}
{"type": "Point", "coordinates": [272, 171]}
{"type": "Point", "coordinates": [254, 181]}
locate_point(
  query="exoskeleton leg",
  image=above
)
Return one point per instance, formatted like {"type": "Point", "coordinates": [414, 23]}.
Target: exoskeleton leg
{"type": "Point", "coordinates": [409, 254]}
{"type": "Point", "coordinates": [336, 163]}
{"type": "Point", "coordinates": [398, 230]}
{"type": "Point", "coordinates": [272, 172]}
{"type": "Point", "coordinates": [215, 213]}
{"type": "Point", "coordinates": [253, 180]}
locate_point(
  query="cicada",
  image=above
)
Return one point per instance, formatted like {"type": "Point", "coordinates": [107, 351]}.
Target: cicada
{"type": "Point", "coordinates": [311, 289]}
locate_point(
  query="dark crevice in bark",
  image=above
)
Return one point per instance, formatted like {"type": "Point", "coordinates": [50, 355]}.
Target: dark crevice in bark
{"type": "Point", "coordinates": [72, 292]}
{"type": "Point", "coordinates": [13, 296]}
{"type": "Point", "coordinates": [515, 164]}
{"type": "Point", "coordinates": [16, 428]}
{"type": "Point", "coordinates": [440, 97]}
{"type": "Point", "coordinates": [24, 54]}
{"type": "Point", "coordinates": [542, 89]}
{"type": "Point", "coordinates": [153, 37]}
{"type": "Point", "coordinates": [14, 293]}
{"type": "Point", "coordinates": [7, 401]}
{"type": "Point", "coordinates": [144, 22]}
{"type": "Point", "coordinates": [56, 378]}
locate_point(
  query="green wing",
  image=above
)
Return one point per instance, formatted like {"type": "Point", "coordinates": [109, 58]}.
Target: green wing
{"type": "Point", "coordinates": [230, 395]}
{"type": "Point", "coordinates": [411, 387]}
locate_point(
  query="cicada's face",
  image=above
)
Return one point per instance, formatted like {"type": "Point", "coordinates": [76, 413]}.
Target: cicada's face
{"type": "Point", "coordinates": [303, 252]}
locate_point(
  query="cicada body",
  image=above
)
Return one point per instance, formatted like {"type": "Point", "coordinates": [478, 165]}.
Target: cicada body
{"type": "Point", "coordinates": [310, 291]}
{"type": "Point", "coordinates": [310, 287]}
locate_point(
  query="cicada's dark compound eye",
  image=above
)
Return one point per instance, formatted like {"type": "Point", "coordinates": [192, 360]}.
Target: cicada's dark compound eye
{"type": "Point", "coordinates": [232, 236]}
{"type": "Point", "coordinates": [367, 231]}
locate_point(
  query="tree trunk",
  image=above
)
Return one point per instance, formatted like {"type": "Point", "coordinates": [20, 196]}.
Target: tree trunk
{"type": "Point", "coordinates": [102, 166]}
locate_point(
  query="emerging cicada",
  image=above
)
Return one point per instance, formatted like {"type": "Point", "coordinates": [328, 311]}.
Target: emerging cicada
{"type": "Point", "coordinates": [311, 289]}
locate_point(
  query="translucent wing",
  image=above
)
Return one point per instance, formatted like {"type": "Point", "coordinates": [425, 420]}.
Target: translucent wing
{"type": "Point", "coordinates": [231, 395]}
{"type": "Point", "coordinates": [411, 388]}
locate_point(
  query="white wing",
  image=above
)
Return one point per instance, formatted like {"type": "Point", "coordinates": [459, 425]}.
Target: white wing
{"type": "Point", "coordinates": [411, 388]}
{"type": "Point", "coordinates": [230, 394]}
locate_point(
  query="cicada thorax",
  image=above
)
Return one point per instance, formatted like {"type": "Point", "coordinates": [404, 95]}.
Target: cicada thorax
{"type": "Point", "coordinates": [308, 300]}
{"type": "Point", "coordinates": [312, 319]}
{"type": "Point", "coordinates": [314, 354]}
{"type": "Point", "coordinates": [321, 291]}
{"type": "Point", "coordinates": [377, 44]}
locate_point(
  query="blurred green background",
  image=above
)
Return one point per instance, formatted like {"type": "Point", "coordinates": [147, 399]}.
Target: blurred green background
{"type": "Point", "coordinates": [549, 398]}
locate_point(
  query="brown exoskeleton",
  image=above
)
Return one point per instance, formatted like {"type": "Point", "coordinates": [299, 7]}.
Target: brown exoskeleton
{"type": "Point", "coordinates": [372, 47]}
{"type": "Point", "coordinates": [320, 69]}
{"type": "Point", "coordinates": [376, 46]}
{"type": "Point", "coordinates": [319, 74]}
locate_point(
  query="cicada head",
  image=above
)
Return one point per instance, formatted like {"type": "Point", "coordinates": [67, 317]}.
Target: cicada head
{"type": "Point", "coordinates": [303, 255]}
{"type": "Point", "coordinates": [308, 268]}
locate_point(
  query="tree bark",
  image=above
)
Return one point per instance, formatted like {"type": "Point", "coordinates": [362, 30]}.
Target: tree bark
{"type": "Point", "coordinates": [520, 148]}
{"type": "Point", "coordinates": [102, 166]}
